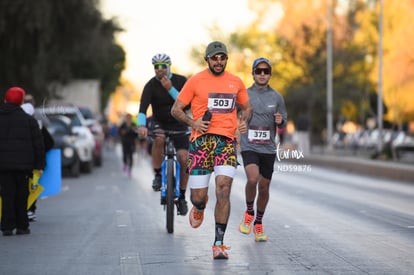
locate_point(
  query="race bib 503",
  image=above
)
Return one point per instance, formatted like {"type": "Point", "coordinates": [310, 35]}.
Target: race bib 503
{"type": "Point", "coordinates": [221, 103]}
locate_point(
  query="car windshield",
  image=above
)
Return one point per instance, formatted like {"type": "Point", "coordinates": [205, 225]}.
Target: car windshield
{"type": "Point", "coordinates": [74, 119]}
{"type": "Point", "coordinates": [87, 113]}
{"type": "Point", "coordinates": [57, 127]}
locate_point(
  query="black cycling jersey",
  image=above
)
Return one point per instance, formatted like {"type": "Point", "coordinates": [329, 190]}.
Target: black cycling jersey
{"type": "Point", "coordinates": [157, 96]}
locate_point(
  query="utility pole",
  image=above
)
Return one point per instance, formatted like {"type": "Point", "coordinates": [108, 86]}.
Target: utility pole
{"type": "Point", "coordinates": [379, 99]}
{"type": "Point", "coordinates": [329, 119]}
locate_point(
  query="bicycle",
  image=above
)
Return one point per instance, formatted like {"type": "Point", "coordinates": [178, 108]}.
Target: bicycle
{"type": "Point", "coordinates": [170, 176]}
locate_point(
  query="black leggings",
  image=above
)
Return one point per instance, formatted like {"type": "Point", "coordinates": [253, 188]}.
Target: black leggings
{"type": "Point", "coordinates": [128, 153]}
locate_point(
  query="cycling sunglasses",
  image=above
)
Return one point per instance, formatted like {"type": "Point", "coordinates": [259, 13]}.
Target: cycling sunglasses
{"type": "Point", "coordinates": [158, 66]}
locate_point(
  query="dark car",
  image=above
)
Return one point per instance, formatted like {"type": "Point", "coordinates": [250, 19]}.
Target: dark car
{"type": "Point", "coordinates": [65, 139]}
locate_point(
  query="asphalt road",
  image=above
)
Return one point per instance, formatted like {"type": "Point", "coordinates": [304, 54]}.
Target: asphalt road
{"type": "Point", "coordinates": [318, 221]}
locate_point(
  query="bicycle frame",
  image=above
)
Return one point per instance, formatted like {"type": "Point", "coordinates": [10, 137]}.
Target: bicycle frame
{"type": "Point", "coordinates": [170, 154]}
{"type": "Point", "coordinates": [170, 178]}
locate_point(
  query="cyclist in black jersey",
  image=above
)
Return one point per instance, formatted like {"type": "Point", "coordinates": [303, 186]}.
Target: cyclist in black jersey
{"type": "Point", "coordinates": [160, 92]}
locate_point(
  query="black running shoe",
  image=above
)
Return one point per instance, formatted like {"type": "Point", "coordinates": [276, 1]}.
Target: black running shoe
{"type": "Point", "coordinates": [182, 207]}
{"type": "Point", "coordinates": [156, 183]}
{"type": "Point", "coordinates": [22, 231]}
{"type": "Point", "coordinates": [163, 201]}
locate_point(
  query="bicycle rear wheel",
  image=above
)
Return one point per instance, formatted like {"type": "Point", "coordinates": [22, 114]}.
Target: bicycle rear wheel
{"type": "Point", "coordinates": [170, 195]}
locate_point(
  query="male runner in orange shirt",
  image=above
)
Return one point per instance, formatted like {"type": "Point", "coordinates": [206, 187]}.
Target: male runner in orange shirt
{"type": "Point", "coordinates": [213, 140]}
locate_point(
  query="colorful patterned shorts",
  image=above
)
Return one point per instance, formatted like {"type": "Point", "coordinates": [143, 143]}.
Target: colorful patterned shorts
{"type": "Point", "coordinates": [209, 151]}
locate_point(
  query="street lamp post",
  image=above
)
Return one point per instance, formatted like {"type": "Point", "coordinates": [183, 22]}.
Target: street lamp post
{"type": "Point", "coordinates": [379, 99]}
{"type": "Point", "coordinates": [329, 119]}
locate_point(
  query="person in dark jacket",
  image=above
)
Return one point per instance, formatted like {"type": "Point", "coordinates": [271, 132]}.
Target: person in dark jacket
{"type": "Point", "coordinates": [21, 151]}
{"type": "Point", "coordinates": [160, 92]}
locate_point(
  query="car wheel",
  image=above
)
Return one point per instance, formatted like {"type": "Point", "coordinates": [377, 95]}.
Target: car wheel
{"type": "Point", "coordinates": [98, 161]}
{"type": "Point", "coordinates": [75, 169]}
{"type": "Point", "coordinates": [87, 166]}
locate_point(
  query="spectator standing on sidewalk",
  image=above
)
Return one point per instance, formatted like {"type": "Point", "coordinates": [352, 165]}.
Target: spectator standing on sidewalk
{"type": "Point", "coordinates": [258, 146]}
{"type": "Point", "coordinates": [21, 151]}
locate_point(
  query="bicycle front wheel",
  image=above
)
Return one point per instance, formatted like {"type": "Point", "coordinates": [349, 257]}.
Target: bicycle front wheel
{"type": "Point", "coordinates": [170, 195]}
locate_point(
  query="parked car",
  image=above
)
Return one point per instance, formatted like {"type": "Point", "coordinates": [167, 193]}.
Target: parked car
{"type": "Point", "coordinates": [97, 131]}
{"type": "Point", "coordinates": [66, 140]}
{"type": "Point", "coordinates": [85, 142]}
{"type": "Point", "coordinates": [403, 147]}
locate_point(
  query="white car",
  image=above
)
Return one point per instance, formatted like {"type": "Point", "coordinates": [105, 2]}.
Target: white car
{"type": "Point", "coordinates": [403, 147]}
{"type": "Point", "coordinates": [85, 142]}
{"type": "Point", "coordinates": [97, 131]}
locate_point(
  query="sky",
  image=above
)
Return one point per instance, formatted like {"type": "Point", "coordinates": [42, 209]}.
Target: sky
{"type": "Point", "coordinates": [171, 27]}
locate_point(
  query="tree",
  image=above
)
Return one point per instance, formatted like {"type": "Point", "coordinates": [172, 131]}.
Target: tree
{"type": "Point", "coordinates": [296, 45]}
{"type": "Point", "coordinates": [295, 42]}
{"type": "Point", "coordinates": [47, 41]}
{"type": "Point", "coordinates": [398, 61]}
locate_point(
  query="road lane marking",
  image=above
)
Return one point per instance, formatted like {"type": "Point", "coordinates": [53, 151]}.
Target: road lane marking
{"type": "Point", "coordinates": [123, 218]}
{"type": "Point", "coordinates": [130, 264]}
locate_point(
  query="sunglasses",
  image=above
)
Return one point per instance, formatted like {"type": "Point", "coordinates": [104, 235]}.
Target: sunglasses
{"type": "Point", "coordinates": [158, 66]}
{"type": "Point", "coordinates": [261, 70]}
{"type": "Point", "coordinates": [218, 57]}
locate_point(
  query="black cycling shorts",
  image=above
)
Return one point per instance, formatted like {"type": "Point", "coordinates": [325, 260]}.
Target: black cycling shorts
{"type": "Point", "coordinates": [265, 162]}
{"type": "Point", "coordinates": [180, 141]}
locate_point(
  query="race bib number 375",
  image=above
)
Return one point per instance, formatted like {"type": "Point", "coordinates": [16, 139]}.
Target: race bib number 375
{"type": "Point", "coordinates": [258, 135]}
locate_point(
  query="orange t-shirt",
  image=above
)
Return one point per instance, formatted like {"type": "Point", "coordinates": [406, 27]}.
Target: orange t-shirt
{"type": "Point", "coordinates": [218, 94]}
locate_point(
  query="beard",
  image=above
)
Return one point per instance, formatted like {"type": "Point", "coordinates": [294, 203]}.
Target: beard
{"type": "Point", "coordinates": [215, 72]}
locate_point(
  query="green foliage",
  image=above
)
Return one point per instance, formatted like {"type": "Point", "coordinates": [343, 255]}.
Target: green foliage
{"type": "Point", "coordinates": [44, 41]}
